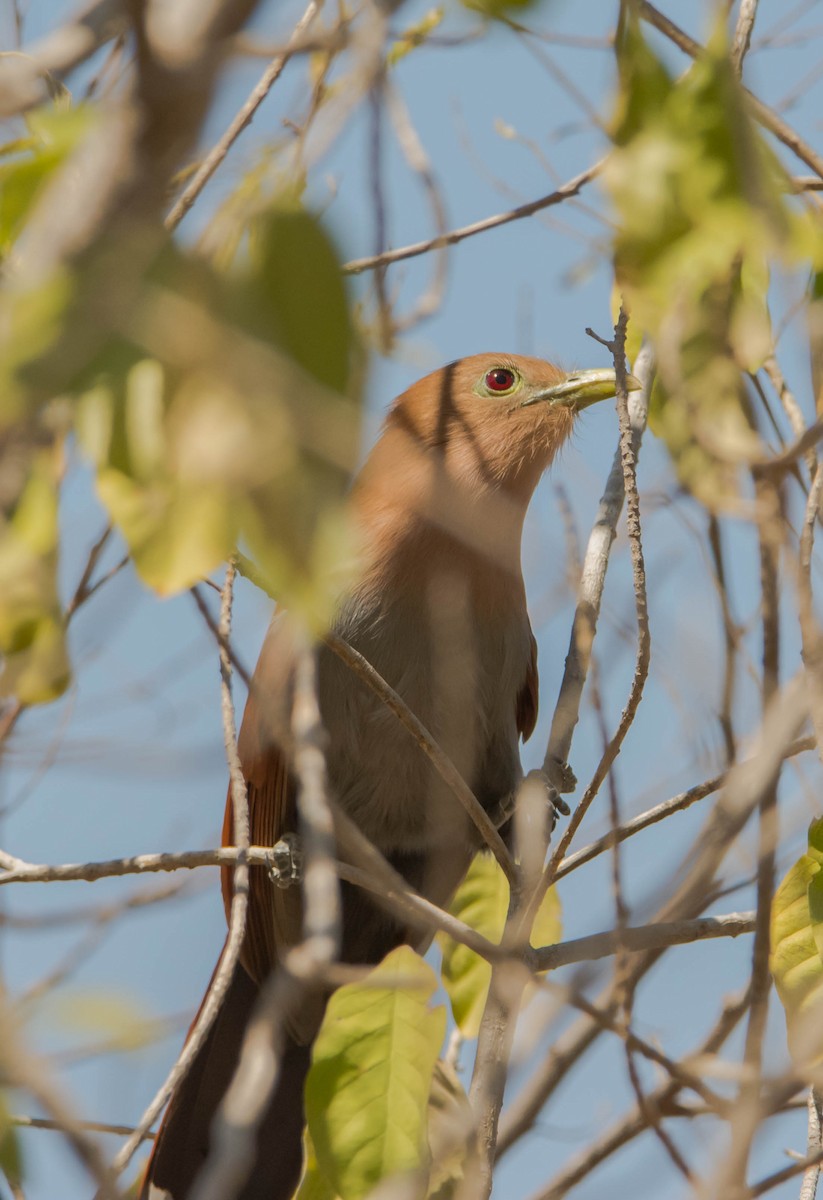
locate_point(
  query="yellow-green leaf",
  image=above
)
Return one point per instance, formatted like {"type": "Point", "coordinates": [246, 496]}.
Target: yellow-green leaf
{"type": "Point", "coordinates": [314, 1185]}
{"type": "Point", "coordinates": [482, 901]}
{"type": "Point", "coordinates": [175, 534]}
{"type": "Point", "coordinates": [110, 1016]}
{"type": "Point", "coordinates": [368, 1087]}
{"type": "Point", "coordinates": [35, 666]}
{"type": "Point", "coordinates": [498, 9]}
{"type": "Point", "coordinates": [299, 294]}
{"type": "Point", "coordinates": [11, 1160]}
{"type": "Point", "coordinates": [415, 35]}
{"type": "Point", "coordinates": [33, 161]}
{"type": "Point", "coordinates": [796, 943]}
{"type": "Point", "coordinates": [700, 208]}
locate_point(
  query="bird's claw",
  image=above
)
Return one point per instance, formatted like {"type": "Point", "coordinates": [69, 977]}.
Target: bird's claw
{"type": "Point", "coordinates": [286, 861]}
{"type": "Point", "coordinates": [564, 779]}
{"type": "Point", "coordinates": [555, 802]}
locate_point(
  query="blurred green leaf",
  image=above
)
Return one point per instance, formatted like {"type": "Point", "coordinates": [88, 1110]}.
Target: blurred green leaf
{"type": "Point", "coordinates": [368, 1087]}
{"type": "Point", "coordinates": [113, 1017]}
{"type": "Point", "coordinates": [35, 667]}
{"type": "Point", "coordinates": [700, 208]}
{"type": "Point", "coordinates": [178, 528]}
{"type": "Point", "coordinates": [11, 1159]}
{"type": "Point", "coordinates": [415, 35]}
{"type": "Point", "coordinates": [499, 10]}
{"type": "Point", "coordinates": [482, 901]}
{"type": "Point", "coordinates": [243, 424]}
{"type": "Point", "coordinates": [297, 297]}
{"type": "Point", "coordinates": [797, 950]}
{"type": "Point", "coordinates": [53, 134]}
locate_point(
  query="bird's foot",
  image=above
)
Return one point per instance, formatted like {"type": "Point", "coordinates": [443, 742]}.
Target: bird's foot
{"type": "Point", "coordinates": [564, 778]}
{"type": "Point", "coordinates": [286, 861]}
{"type": "Point", "coordinates": [564, 781]}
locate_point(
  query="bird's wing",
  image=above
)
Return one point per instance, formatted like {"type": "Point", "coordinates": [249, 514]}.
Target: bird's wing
{"type": "Point", "coordinates": [275, 914]}
{"type": "Point", "coordinates": [527, 697]}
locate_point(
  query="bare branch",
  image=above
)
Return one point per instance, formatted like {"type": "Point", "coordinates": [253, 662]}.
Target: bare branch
{"type": "Point", "coordinates": [87, 1126]}
{"type": "Point", "coordinates": [21, 1070]}
{"type": "Point", "coordinates": [240, 893]}
{"type": "Point", "coordinates": [646, 937]}
{"type": "Point", "coordinates": [357, 265]}
{"type": "Point", "coordinates": [242, 118]}
{"type": "Point", "coordinates": [592, 580]}
{"type": "Point", "coordinates": [233, 1137]}
{"type": "Point", "coordinates": [761, 112]}
{"type": "Point", "coordinates": [676, 804]}
{"type": "Point", "coordinates": [746, 15]}
{"type": "Point", "coordinates": [28, 77]}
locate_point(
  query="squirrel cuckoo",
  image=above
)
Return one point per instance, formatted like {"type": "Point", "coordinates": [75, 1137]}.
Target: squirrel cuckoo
{"type": "Point", "coordinates": [439, 609]}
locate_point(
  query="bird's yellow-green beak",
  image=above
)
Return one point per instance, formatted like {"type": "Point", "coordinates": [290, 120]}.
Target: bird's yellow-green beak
{"type": "Point", "coordinates": [581, 388]}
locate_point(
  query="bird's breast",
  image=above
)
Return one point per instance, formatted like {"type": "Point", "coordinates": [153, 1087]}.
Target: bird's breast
{"type": "Point", "coordinates": [460, 671]}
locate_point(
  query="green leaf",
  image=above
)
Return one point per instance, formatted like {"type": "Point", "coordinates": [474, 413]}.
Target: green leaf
{"type": "Point", "coordinates": [797, 950]}
{"type": "Point", "coordinates": [368, 1087]}
{"type": "Point", "coordinates": [482, 901]}
{"type": "Point", "coordinates": [314, 1185]}
{"type": "Point", "coordinates": [415, 35]}
{"type": "Point", "coordinates": [113, 1017]}
{"type": "Point", "coordinates": [498, 10]}
{"type": "Point", "coordinates": [243, 426]}
{"type": "Point", "coordinates": [33, 161]}
{"type": "Point", "coordinates": [178, 523]}
{"type": "Point", "coordinates": [750, 328]}
{"type": "Point", "coordinates": [11, 1159]}
{"type": "Point", "coordinates": [297, 295]}
{"type": "Point", "coordinates": [700, 208]}
{"type": "Point", "coordinates": [35, 666]}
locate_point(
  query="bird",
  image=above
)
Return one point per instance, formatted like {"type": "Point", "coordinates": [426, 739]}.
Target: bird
{"type": "Point", "coordinates": [438, 608]}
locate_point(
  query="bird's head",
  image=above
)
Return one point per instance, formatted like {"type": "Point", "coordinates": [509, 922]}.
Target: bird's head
{"type": "Point", "coordinates": [498, 420]}
{"type": "Point", "coordinates": [463, 448]}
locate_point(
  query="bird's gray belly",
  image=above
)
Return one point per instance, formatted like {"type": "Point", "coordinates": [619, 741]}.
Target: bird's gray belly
{"type": "Point", "coordinates": [464, 691]}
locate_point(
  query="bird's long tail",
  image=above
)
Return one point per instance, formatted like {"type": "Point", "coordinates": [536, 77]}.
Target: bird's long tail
{"type": "Point", "coordinates": [182, 1143]}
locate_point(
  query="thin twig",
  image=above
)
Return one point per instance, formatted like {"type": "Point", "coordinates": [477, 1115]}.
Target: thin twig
{"type": "Point", "coordinates": [234, 1131]}
{"type": "Point", "coordinates": [592, 580]}
{"type": "Point", "coordinates": [646, 937]}
{"type": "Point", "coordinates": [766, 116]}
{"type": "Point", "coordinates": [357, 265]}
{"type": "Point", "coordinates": [240, 889]}
{"type": "Point", "coordinates": [746, 15]}
{"type": "Point", "coordinates": [810, 632]}
{"type": "Point", "coordinates": [20, 1070]}
{"type": "Point", "coordinates": [678, 803]}
{"type": "Point", "coordinates": [631, 1126]}
{"type": "Point", "coordinates": [814, 1145]}
{"type": "Point", "coordinates": [29, 77]}
{"type": "Point", "coordinates": [242, 118]}
{"type": "Point", "coordinates": [633, 422]}
{"type": "Point", "coordinates": [90, 1126]}
{"type": "Point", "coordinates": [418, 160]}
{"type": "Point", "coordinates": [81, 591]}
{"type": "Point", "coordinates": [772, 1181]}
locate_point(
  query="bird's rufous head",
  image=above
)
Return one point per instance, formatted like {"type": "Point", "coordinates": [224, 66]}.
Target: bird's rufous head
{"type": "Point", "coordinates": [498, 419]}
{"type": "Point", "coordinates": [463, 448]}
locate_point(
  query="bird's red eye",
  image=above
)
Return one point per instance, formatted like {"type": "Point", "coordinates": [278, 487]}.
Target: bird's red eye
{"type": "Point", "coordinates": [500, 380]}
